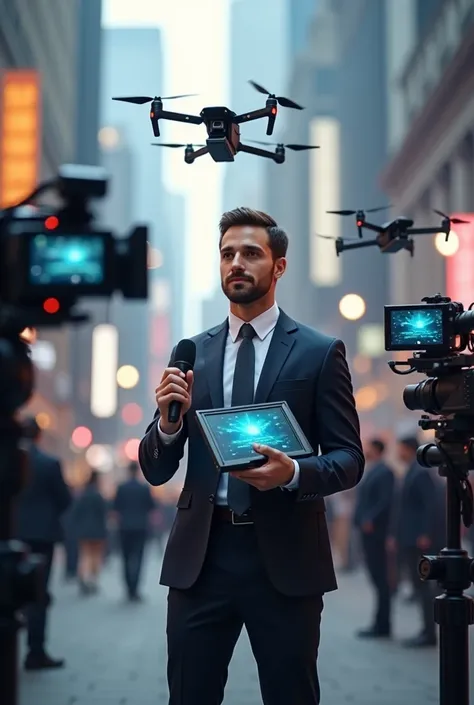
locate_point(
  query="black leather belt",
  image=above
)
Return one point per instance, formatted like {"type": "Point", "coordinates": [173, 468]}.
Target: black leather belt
{"type": "Point", "coordinates": [225, 514]}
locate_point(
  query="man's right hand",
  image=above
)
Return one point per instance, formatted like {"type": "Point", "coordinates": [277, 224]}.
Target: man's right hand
{"type": "Point", "coordinates": [174, 386]}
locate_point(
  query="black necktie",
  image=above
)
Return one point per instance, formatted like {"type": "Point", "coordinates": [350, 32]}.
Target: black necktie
{"type": "Point", "coordinates": [238, 492]}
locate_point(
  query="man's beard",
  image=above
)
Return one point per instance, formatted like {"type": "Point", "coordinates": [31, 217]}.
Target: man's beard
{"type": "Point", "coordinates": [247, 293]}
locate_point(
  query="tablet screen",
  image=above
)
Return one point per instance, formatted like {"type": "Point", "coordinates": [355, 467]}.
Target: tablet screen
{"type": "Point", "coordinates": [234, 432]}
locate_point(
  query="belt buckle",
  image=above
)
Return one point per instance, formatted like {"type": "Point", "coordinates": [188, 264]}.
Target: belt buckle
{"type": "Point", "coordinates": [239, 519]}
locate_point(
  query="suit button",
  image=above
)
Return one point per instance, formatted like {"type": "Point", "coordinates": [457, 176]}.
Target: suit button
{"type": "Point", "coordinates": [211, 498]}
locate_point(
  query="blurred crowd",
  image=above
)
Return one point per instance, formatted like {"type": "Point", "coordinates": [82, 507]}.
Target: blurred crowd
{"type": "Point", "coordinates": [384, 525]}
{"type": "Point", "coordinates": [89, 527]}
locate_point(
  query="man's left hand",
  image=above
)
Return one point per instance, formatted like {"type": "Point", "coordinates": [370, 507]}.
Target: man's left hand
{"type": "Point", "coordinates": [278, 471]}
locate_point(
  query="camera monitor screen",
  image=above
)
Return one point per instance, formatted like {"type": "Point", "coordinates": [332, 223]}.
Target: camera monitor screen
{"type": "Point", "coordinates": [414, 327]}
{"type": "Point", "coordinates": [71, 261]}
{"type": "Point", "coordinates": [231, 432]}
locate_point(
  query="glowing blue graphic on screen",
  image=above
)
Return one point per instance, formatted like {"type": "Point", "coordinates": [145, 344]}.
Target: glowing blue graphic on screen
{"type": "Point", "coordinates": [419, 327]}
{"type": "Point", "coordinates": [234, 433]}
{"type": "Point", "coordinates": [55, 259]}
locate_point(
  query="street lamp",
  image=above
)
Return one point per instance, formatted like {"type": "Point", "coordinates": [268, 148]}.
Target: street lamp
{"type": "Point", "coordinates": [449, 248]}
{"type": "Point", "coordinates": [352, 307]}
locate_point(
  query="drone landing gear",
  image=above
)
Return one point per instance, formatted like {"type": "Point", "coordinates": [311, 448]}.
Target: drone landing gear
{"type": "Point", "coordinates": [278, 155]}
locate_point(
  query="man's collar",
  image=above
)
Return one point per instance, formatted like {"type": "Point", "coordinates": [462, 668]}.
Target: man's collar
{"type": "Point", "coordinates": [262, 324]}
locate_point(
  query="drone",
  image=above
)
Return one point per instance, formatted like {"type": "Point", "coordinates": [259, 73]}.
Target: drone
{"type": "Point", "coordinates": [223, 127]}
{"type": "Point", "coordinates": [393, 236]}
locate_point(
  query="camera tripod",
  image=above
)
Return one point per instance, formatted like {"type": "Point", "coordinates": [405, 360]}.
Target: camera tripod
{"type": "Point", "coordinates": [20, 573]}
{"type": "Point", "coordinates": [452, 568]}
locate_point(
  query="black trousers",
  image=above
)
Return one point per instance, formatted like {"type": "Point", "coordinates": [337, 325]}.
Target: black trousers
{"type": "Point", "coordinates": [424, 590]}
{"type": "Point", "coordinates": [204, 624]}
{"type": "Point", "coordinates": [36, 614]}
{"type": "Point", "coordinates": [376, 561]}
{"type": "Point", "coordinates": [132, 544]}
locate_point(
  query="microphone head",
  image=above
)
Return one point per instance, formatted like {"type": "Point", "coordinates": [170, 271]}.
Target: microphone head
{"type": "Point", "coordinates": [185, 352]}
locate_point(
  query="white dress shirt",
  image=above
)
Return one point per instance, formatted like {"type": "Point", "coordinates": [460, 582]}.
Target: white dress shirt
{"type": "Point", "coordinates": [264, 325]}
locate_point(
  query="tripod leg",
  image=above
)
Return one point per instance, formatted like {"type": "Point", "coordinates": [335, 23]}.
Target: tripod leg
{"type": "Point", "coordinates": [8, 659]}
{"type": "Point", "coordinates": [454, 615]}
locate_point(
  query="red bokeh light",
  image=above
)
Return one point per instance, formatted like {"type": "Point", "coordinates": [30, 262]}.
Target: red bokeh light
{"type": "Point", "coordinates": [132, 414]}
{"type": "Point", "coordinates": [131, 448]}
{"type": "Point", "coordinates": [81, 437]}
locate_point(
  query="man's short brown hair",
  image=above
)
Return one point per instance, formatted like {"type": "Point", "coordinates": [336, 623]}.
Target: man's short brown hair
{"type": "Point", "coordinates": [277, 238]}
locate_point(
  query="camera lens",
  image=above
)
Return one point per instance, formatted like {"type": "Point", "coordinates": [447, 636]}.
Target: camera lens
{"type": "Point", "coordinates": [422, 396]}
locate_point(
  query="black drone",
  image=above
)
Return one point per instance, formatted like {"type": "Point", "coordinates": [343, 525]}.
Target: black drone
{"type": "Point", "coordinates": [223, 127]}
{"type": "Point", "coordinates": [392, 236]}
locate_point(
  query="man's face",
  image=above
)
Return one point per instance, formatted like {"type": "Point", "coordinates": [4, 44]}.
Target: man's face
{"type": "Point", "coordinates": [248, 270]}
{"type": "Point", "coordinates": [405, 454]}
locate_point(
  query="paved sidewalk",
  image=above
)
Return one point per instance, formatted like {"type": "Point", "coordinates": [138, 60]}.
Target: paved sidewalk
{"type": "Point", "coordinates": [116, 653]}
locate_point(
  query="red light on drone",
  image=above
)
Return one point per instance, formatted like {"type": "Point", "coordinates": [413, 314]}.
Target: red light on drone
{"type": "Point", "coordinates": [274, 111]}
{"type": "Point", "coordinates": [51, 223]}
{"type": "Point", "coordinates": [359, 223]}
{"type": "Point", "coordinates": [152, 114]}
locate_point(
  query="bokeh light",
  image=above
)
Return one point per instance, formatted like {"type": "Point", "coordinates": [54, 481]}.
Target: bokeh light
{"type": "Point", "coordinates": [127, 376]}
{"type": "Point", "coordinates": [132, 414]}
{"type": "Point", "coordinates": [131, 448]}
{"type": "Point", "coordinates": [447, 249]}
{"type": "Point", "coordinates": [352, 307]}
{"type": "Point", "coordinates": [81, 437]}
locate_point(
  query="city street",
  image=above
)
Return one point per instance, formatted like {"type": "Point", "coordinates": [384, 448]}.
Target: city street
{"type": "Point", "coordinates": [116, 652]}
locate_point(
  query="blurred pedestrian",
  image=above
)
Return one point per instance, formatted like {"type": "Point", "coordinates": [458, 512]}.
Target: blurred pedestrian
{"type": "Point", "coordinates": [415, 531]}
{"type": "Point", "coordinates": [133, 505]}
{"type": "Point", "coordinates": [90, 522]}
{"type": "Point", "coordinates": [372, 518]}
{"type": "Point", "coordinates": [38, 523]}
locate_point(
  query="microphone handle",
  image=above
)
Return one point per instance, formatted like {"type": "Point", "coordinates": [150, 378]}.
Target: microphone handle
{"type": "Point", "coordinates": [174, 409]}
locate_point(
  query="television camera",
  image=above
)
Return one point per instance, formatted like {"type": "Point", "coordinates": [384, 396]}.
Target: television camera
{"type": "Point", "coordinates": [438, 332]}
{"type": "Point", "coordinates": [223, 127]}
{"type": "Point", "coordinates": [393, 236]}
{"type": "Point", "coordinates": [49, 259]}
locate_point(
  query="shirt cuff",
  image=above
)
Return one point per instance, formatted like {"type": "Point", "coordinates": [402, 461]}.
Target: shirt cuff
{"type": "Point", "coordinates": [294, 483]}
{"type": "Point", "coordinates": [168, 438]}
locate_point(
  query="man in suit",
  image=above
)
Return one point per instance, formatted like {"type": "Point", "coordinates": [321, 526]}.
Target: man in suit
{"type": "Point", "coordinates": [252, 548]}
{"type": "Point", "coordinates": [133, 504]}
{"type": "Point", "coordinates": [415, 532]}
{"type": "Point", "coordinates": [372, 517]}
{"type": "Point", "coordinates": [39, 510]}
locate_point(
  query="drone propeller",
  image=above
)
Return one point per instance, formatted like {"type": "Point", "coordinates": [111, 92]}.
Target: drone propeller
{"type": "Point", "coordinates": [175, 145]}
{"type": "Point", "coordinates": [332, 237]}
{"type": "Point", "coordinates": [455, 221]}
{"type": "Point", "coordinates": [367, 210]}
{"type": "Point", "coordinates": [142, 99]}
{"type": "Point", "coordinates": [284, 102]}
{"type": "Point", "coordinates": [294, 147]}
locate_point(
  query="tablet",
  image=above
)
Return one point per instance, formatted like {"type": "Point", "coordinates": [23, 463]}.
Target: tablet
{"type": "Point", "coordinates": [230, 433]}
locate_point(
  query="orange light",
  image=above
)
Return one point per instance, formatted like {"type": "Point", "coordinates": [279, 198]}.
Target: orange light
{"type": "Point", "coordinates": [274, 111]}
{"type": "Point", "coordinates": [51, 223]}
{"type": "Point", "coordinates": [20, 134]}
{"type": "Point", "coordinates": [51, 305]}
{"type": "Point", "coordinates": [152, 114]}
{"type": "Point", "coordinates": [81, 437]}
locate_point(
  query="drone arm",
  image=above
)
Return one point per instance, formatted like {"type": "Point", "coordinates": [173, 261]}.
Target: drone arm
{"type": "Point", "coordinates": [371, 226]}
{"type": "Point", "coordinates": [278, 158]}
{"type": "Point", "coordinates": [423, 231]}
{"type": "Point", "coordinates": [178, 117]}
{"type": "Point", "coordinates": [253, 115]}
{"type": "Point", "coordinates": [357, 245]}
{"type": "Point", "coordinates": [190, 157]}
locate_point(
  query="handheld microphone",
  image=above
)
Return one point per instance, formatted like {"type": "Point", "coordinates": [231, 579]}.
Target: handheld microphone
{"type": "Point", "coordinates": [184, 358]}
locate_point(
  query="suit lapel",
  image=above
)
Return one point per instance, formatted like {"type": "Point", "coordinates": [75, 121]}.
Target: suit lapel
{"type": "Point", "coordinates": [214, 348]}
{"type": "Point", "coordinates": [280, 347]}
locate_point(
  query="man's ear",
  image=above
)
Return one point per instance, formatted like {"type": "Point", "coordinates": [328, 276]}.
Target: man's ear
{"type": "Point", "coordinates": [280, 267]}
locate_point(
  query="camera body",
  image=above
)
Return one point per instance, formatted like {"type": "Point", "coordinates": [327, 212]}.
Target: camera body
{"type": "Point", "coordinates": [223, 134]}
{"type": "Point", "coordinates": [59, 253]}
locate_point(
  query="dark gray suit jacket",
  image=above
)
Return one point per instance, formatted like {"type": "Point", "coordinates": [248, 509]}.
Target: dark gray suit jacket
{"type": "Point", "coordinates": [309, 371]}
{"type": "Point", "coordinates": [44, 500]}
{"type": "Point", "coordinates": [417, 508]}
